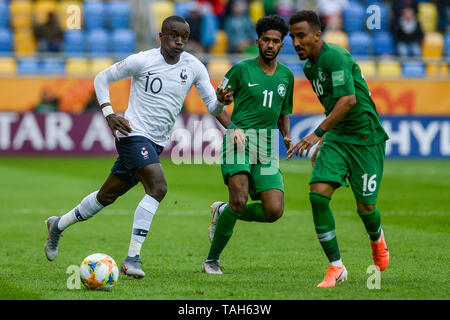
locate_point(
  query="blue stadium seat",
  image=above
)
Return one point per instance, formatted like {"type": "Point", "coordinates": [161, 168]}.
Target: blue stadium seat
{"type": "Point", "coordinates": [53, 66]}
{"type": "Point", "coordinates": [413, 69]}
{"type": "Point", "coordinates": [123, 42]}
{"type": "Point", "coordinates": [447, 44]}
{"type": "Point", "coordinates": [6, 40]}
{"type": "Point", "coordinates": [360, 43]}
{"type": "Point", "coordinates": [94, 14]}
{"type": "Point", "coordinates": [182, 8]}
{"type": "Point", "coordinates": [288, 47]}
{"type": "Point", "coordinates": [118, 14]}
{"type": "Point", "coordinates": [383, 43]}
{"type": "Point", "coordinates": [354, 17]}
{"type": "Point", "coordinates": [98, 42]}
{"type": "Point", "coordinates": [74, 42]}
{"type": "Point", "coordinates": [28, 66]}
{"type": "Point", "coordinates": [4, 14]}
{"type": "Point", "coordinates": [208, 29]}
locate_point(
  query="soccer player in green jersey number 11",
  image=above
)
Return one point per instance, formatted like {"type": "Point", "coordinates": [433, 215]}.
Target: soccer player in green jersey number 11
{"type": "Point", "coordinates": [351, 141]}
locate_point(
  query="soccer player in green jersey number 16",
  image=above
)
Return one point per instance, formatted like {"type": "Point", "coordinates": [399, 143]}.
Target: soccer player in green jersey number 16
{"type": "Point", "coordinates": [262, 90]}
{"type": "Point", "coordinates": [351, 141]}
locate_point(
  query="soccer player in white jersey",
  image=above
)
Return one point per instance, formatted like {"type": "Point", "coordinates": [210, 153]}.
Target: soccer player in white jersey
{"type": "Point", "coordinates": [161, 79]}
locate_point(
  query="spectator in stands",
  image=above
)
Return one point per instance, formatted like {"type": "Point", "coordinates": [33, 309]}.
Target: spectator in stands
{"type": "Point", "coordinates": [330, 13]}
{"type": "Point", "coordinates": [398, 6]}
{"type": "Point", "coordinates": [48, 103]}
{"type": "Point", "coordinates": [49, 35]}
{"type": "Point", "coordinates": [195, 19]}
{"type": "Point", "coordinates": [408, 34]}
{"type": "Point", "coordinates": [239, 28]}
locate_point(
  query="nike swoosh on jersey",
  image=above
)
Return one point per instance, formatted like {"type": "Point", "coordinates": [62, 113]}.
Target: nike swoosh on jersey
{"type": "Point", "coordinates": [367, 194]}
{"type": "Point", "coordinates": [252, 84]}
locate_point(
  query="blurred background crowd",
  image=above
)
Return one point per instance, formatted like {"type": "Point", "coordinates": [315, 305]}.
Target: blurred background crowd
{"type": "Point", "coordinates": [74, 37]}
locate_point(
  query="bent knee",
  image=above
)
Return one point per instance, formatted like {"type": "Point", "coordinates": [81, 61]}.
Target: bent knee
{"type": "Point", "coordinates": [158, 191]}
{"type": "Point", "coordinates": [273, 214]}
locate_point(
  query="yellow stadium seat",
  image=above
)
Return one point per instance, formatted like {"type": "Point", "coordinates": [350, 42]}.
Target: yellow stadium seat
{"type": "Point", "coordinates": [389, 69]}
{"type": "Point", "coordinates": [77, 67]}
{"type": "Point", "coordinates": [160, 10]}
{"type": "Point", "coordinates": [432, 45]}
{"type": "Point", "coordinates": [427, 16]}
{"type": "Point", "coordinates": [368, 68]}
{"type": "Point", "coordinates": [73, 16]}
{"type": "Point", "coordinates": [437, 69]}
{"type": "Point", "coordinates": [8, 66]}
{"type": "Point", "coordinates": [100, 64]}
{"type": "Point", "coordinates": [256, 10]}
{"type": "Point", "coordinates": [336, 36]}
{"type": "Point", "coordinates": [24, 42]}
{"type": "Point", "coordinates": [21, 13]}
{"type": "Point", "coordinates": [218, 67]}
{"type": "Point", "coordinates": [221, 44]}
{"type": "Point", "coordinates": [42, 8]}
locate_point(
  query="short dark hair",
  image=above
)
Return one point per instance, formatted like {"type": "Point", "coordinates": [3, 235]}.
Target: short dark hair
{"type": "Point", "coordinates": [309, 16]}
{"type": "Point", "coordinates": [272, 22]}
{"type": "Point", "coordinates": [170, 19]}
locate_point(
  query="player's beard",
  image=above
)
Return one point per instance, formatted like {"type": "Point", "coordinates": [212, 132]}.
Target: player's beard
{"type": "Point", "coordinates": [268, 58]}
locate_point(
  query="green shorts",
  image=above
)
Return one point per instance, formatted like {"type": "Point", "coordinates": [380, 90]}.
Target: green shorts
{"type": "Point", "coordinates": [361, 165]}
{"type": "Point", "coordinates": [263, 175]}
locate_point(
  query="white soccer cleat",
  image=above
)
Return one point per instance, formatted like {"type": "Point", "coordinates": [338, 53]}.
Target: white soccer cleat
{"type": "Point", "coordinates": [211, 267]}
{"type": "Point", "coordinates": [215, 216]}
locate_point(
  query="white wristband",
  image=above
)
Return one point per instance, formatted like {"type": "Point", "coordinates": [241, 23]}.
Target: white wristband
{"type": "Point", "coordinates": [108, 110]}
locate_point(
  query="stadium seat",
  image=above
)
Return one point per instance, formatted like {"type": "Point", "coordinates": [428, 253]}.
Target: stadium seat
{"type": "Point", "coordinates": [218, 67]}
{"type": "Point", "coordinates": [256, 10]}
{"type": "Point", "coordinates": [360, 43]}
{"type": "Point", "coordinates": [432, 45]}
{"type": "Point", "coordinates": [389, 69]}
{"type": "Point", "coordinates": [159, 10]}
{"type": "Point", "coordinates": [208, 29]}
{"type": "Point", "coordinates": [288, 47]}
{"type": "Point", "coordinates": [384, 14]}
{"type": "Point", "coordinates": [383, 43]}
{"type": "Point", "coordinates": [368, 68]}
{"type": "Point", "coordinates": [428, 16]}
{"type": "Point", "coordinates": [182, 8]}
{"type": "Point", "coordinates": [98, 42]}
{"type": "Point", "coordinates": [354, 17]}
{"type": "Point", "coordinates": [221, 44]}
{"type": "Point", "coordinates": [94, 14]}
{"type": "Point", "coordinates": [447, 44]}
{"type": "Point", "coordinates": [413, 69]}
{"type": "Point", "coordinates": [29, 66]}
{"type": "Point", "coordinates": [21, 13]}
{"type": "Point", "coordinates": [99, 64]}
{"type": "Point", "coordinates": [434, 69]}
{"type": "Point", "coordinates": [52, 66]}
{"type": "Point", "coordinates": [66, 16]}
{"type": "Point", "coordinates": [4, 14]}
{"type": "Point", "coordinates": [24, 42]}
{"type": "Point", "coordinates": [74, 43]}
{"type": "Point", "coordinates": [118, 14]}
{"type": "Point", "coordinates": [6, 41]}
{"type": "Point", "coordinates": [42, 8]}
{"type": "Point", "coordinates": [336, 36]}
{"type": "Point", "coordinates": [123, 42]}
{"type": "Point", "coordinates": [77, 66]}
{"type": "Point", "coordinates": [8, 66]}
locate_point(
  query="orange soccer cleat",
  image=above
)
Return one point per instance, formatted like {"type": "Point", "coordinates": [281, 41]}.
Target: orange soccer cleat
{"type": "Point", "coordinates": [334, 274]}
{"type": "Point", "coordinates": [380, 253]}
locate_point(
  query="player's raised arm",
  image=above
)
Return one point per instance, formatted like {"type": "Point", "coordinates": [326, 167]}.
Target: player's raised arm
{"type": "Point", "coordinates": [120, 70]}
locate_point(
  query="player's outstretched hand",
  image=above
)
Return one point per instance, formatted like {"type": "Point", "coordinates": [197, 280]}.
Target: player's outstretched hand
{"type": "Point", "coordinates": [303, 145]}
{"type": "Point", "coordinates": [119, 123]}
{"type": "Point", "coordinates": [288, 142]}
{"type": "Point", "coordinates": [239, 138]}
{"type": "Point", "coordinates": [225, 96]}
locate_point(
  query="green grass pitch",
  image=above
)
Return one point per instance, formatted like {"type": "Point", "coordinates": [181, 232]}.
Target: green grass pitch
{"type": "Point", "coordinates": [279, 261]}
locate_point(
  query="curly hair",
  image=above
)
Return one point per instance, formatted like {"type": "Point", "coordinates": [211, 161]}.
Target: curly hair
{"type": "Point", "coordinates": [272, 22]}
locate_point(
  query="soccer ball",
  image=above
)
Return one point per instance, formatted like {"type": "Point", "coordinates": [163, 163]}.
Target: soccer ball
{"type": "Point", "coordinates": [99, 272]}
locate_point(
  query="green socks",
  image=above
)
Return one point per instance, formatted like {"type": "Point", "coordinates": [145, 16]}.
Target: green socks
{"type": "Point", "coordinates": [253, 212]}
{"type": "Point", "coordinates": [372, 222]}
{"type": "Point", "coordinates": [224, 230]}
{"type": "Point", "coordinates": [324, 224]}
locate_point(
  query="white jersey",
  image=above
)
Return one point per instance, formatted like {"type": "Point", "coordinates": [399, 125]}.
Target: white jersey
{"type": "Point", "coordinates": [157, 91]}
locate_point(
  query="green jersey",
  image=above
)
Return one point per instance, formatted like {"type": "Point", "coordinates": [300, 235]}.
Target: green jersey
{"type": "Point", "coordinates": [336, 74]}
{"type": "Point", "coordinates": [259, 99]}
